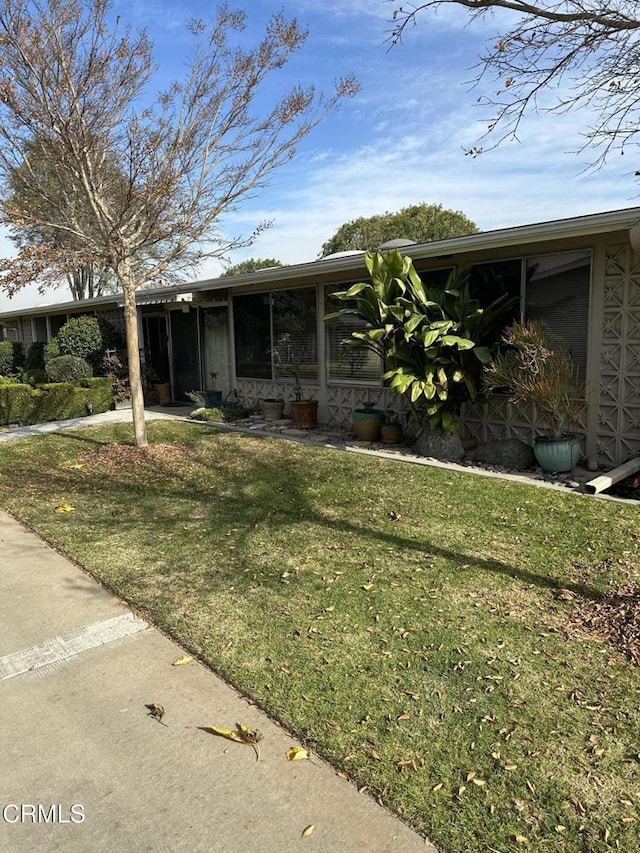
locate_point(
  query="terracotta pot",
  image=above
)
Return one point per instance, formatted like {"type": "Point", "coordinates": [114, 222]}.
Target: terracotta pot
{"type": "Point", "coordinates": [391, 433]}
{"type": "Point", "coordinates": [163, 390]}
{"type": "Point", "coordinates": [304, 414]}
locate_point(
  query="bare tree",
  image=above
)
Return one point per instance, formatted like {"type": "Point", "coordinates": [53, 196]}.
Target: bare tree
{"type": "Point", "coordinates": [586, 50]}
{"type": "Point", "coordinates": [76, 87]}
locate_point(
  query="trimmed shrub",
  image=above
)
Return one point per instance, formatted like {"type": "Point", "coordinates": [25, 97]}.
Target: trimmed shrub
{"type": "Point", "coordinates": [21, 404]}
{"type": "Point", "coordinates": [51, 350]}
{"type": "Point", "coordinates": [6, 358]}
{"type": "Point", "coordinates": [16, 403]}
{"type": "Point", "coordinates": [81, 337]}
{"type": "Point", "coordinates": [33, 377]}
{"type": "Point", "coordinates": [67, 368]}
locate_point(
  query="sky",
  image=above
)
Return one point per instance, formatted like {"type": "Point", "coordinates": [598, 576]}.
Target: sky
{"type": "Point", "coordinates": [400, 141]}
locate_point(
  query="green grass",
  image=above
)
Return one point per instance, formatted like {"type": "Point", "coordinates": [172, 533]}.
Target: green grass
{"type": "Point", "coordinates": [401, 620]}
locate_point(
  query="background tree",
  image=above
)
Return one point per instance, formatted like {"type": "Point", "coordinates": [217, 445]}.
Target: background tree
{"type": "Point", "coordinates": [84, 281]}
{"type": "Point", "coordinates": [75, 86]}
{"type": "Point", "coordinates": [418, 222]}
{"type": "Point", "coordinates": [251, 265]}
{"type": "Point", "coordinates": [584, 50]}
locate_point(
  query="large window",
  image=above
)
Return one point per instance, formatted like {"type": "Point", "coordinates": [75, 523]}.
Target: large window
{"type": "Point", "coordinates": [359, 365]}
{"type": "Point", "coordinates": [354, 366]}
{"type": "Point", "coordinates": [271, 329]}
{"type": "Point", "coordinates": [557, 294]}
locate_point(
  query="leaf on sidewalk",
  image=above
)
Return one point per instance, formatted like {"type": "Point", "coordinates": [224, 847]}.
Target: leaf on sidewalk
{"type": "Point", "coordinates": [241, 734]}
{"type": "Point", "coordinates": [306, 832]}
{"type": "Point", "coordinates": [297, 753]}
{"type": "Point", "coordinates": [182, 661]}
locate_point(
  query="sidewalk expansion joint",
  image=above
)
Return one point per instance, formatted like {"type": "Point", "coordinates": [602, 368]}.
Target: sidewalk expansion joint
{"type": "Point", "coordinates": [50, 654]}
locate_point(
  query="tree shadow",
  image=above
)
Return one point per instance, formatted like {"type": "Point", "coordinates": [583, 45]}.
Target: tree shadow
{"type": "Point", "coordinates": [260, 488]}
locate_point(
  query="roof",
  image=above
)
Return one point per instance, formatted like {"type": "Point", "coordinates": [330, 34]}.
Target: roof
{"type": "Point", "coordinates": [353, 263]}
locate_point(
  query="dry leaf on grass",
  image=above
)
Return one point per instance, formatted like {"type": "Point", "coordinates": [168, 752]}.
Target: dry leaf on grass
{"type": "Point", "coordinates": [64, 508]}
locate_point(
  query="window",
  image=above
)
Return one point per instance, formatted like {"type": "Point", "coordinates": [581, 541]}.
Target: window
{"type": "Point", "coordinates": [557, 295]}
{"type": "Point", "coordinates": [295, 332]}
{"type": "Point", "coordinates": [252, 324]}
{"type": "Point", "coordinates": [355, 366]}
{"type": "Point", "coordinates": [260, 322]}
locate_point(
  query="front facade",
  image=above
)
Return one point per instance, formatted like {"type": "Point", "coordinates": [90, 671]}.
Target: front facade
{"type": "Point", "coordinates": [580, 276]}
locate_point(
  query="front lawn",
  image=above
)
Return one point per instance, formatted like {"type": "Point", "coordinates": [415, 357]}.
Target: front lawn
{"type": "Point", "coordinates": [416, 627]}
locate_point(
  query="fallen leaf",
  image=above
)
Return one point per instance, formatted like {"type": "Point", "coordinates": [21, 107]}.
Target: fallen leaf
{"type": "Point", "coordinates": [306, 832]}
{"type": "Point", "coordinates": [373, 754]}
{"type": "Point", "coordinates": [367, 586]}
{"type": "Point", "coordinates": [437, 787]}
{"type": "Point", "coordinates": [64, 508]}
{"type": "Point", "coordinates": [182, 661]}
{"type": "Point", "coordinates": [521, 839]}
{"type": "Point", "coordinates": [297, 753]}
{"type": "Point", "coordinates": [479, 782]}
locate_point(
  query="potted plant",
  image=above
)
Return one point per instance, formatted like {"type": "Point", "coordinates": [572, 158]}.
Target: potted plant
{"type": "Point", "coordinates": [433, 341]}
{"type": "Point", "coordinates": [367, 422]}
{"type": "Point", "coordinates": [539, 374]}
{"type": "Point", "coordinates": [391, 429]}
{"type": "Point", "coordinates": [289, 355]}
{"type": "Point", "coordinates": [272, 409]}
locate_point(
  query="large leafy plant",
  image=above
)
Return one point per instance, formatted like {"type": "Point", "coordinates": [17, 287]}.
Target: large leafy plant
{"type": "Point", "coordinates": [434, 341]}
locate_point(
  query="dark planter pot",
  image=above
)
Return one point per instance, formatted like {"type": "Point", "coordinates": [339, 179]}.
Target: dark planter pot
{"type": "Point", "coordinates": [391, 433]}
{"type": "Point", "coordinates": [304, 414]}
{"type": "Point", "coordinates": [557, 455]}
{"type": "Point", "coordinates": [367, 424]}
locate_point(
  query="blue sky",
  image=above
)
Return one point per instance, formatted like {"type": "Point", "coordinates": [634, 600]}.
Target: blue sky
{"type": "Point", "coordinates": [401, 141]}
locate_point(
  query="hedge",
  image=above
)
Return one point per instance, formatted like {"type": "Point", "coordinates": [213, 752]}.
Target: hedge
{"type": "Point", "coordinates": [52, 401]}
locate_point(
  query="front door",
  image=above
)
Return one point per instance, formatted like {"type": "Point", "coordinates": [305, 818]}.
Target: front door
{"type": "Point", "coordinates": [185, 347]}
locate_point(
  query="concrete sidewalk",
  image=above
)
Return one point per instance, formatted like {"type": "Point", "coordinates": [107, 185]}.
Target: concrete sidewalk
{"type": "Point", "coordinates": [78, 749]}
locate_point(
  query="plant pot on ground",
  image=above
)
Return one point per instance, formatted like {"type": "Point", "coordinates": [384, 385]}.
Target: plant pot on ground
{"type": "Point", "coordinates": [367, 422]}
{"type": "Point", "coordinates": [538, 373]}
{"type": "Point", "coordinates": [304, 413]}
{"type": "Point", "coordinates": [272, 409]}
{"type": "Point", "coordinates": [290, 355]}
{"type": "Point", "coordinates": [391, 429]}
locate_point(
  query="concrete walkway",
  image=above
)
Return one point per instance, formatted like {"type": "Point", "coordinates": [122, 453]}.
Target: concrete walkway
{"type": "Point", "coordinates": [84, 768]}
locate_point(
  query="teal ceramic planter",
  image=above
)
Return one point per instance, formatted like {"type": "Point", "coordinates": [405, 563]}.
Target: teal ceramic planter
{"type": "Point", "coordinates": [557, 455]}
{"type": "Point", "coordinates": [367, 423]}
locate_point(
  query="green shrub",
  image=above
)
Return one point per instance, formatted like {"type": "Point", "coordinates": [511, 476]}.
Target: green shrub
{"type": "Point", "coordinates": [34, 359]}
{"type": "Point", "coordinates": [53, 401]}
{"type": "Point", "coordinates": [33, 376]}
{"type": "Point", "coordinates": [219, 415]}
{"type": "Point", "coordinates": [51, 350]}
{"type": "Point", "coordinates": [15, 403]}
{"type": "Point", "coordinates": [6, 358]}
{"type": "Point", "coordinates": [67, 368]}
{"type": "Point", "coordinates": [82, 338]}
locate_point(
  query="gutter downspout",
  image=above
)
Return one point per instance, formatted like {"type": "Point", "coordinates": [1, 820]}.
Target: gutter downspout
{"type": "Point", "coordinates": [603, 482]}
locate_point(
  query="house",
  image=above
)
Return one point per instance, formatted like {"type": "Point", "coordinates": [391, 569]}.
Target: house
{"type": "Point", "coordinates": [581, 276]}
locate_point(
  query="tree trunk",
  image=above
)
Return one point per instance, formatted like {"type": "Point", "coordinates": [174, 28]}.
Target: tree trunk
{"type": "Point", "coordinates": [133, 356]}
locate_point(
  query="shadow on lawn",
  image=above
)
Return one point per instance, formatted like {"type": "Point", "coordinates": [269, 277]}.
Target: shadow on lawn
{"type": "Point", "coordinates": [268, 487]}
